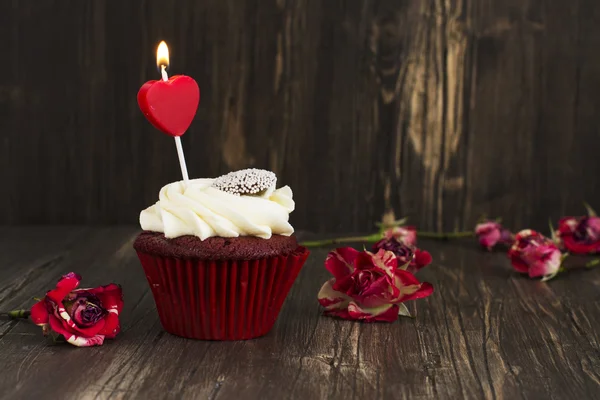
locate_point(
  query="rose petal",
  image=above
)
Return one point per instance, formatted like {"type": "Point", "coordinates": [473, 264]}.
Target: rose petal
{"type": "Point", "coordinates": [384, 313]}
{"type": "Point", "coordinates": [364, 261]}
{"type": "Point", "coordinates": [426, 289]}
{"type": "Point", "coordinates": [70, 326]}
{"type": "Point", "coordinates": [39, 313]}
{"type": "Point", "coordinates": [576, 247]}
{"type": "Point", "coordinates": [567, 224]}
{"type": "Point", "coordinates": [57, 326]}
{"type": "Point", "coordinates": [410, 287]}
{"type": "Point", "coordinates": [111, 325]}
{"type": "Point", "coordinates": [344, 285]}
{"type": "Point", "coordinates": [490, 239]}
{"type": "Point", "coordinates": [64, 286]}
{"type": "Point", "coordinates": [380, 292]}
{"type": "Point", "coordinates": [545, 265]}
{"type": "Point", "coordinates": [332, 299]}
{"type": "Point", "coordinates": [423, 257]}
{"type": "Point", "coordinates": [384, 260]}
{"type": "Point", "coordinates": [341, 261]}
{"type": "Point", "coordinates": [514, 254]}
{"type": "Point", "coordinates": [487, 227]}
{"type": "Point", "coordinates": [111, 296]}
{"type": "Point", "coordinates": [519, 265]}
{"type": "Point", "coordinates": [79, 341]}
{"type": "Point", "coordinates": [406, 278]}
{"type": "Point", "coordinates": [377, 287]}
{"type": "Point", "coordinates": [421, 260]}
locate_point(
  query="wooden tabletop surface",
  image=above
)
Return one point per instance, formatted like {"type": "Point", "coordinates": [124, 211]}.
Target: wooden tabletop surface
{"type": "Point", "coordinates": [486, 332]}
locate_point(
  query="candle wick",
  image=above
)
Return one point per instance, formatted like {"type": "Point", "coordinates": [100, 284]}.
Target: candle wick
{"type": "Point", "coordinates": [163, 72]}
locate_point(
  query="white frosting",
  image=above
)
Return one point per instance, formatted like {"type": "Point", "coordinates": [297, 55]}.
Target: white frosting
{"type": "Point", "coordinates": [204, 211]}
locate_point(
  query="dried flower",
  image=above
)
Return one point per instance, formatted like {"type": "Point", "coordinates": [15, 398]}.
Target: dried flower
{"type": "Point", "coordinates": [491, 233]}
{"type": "Point", "coordinates": [580, 235]}
{"type": "Point", "coordinates": [368, 287]}
{"type": "Point", "coordinates": [84, 317]}
{"type": "Point", "coordinates": [535, 255]}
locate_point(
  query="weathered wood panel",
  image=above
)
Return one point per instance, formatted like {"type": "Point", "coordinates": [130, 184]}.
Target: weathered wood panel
{"type": "Point", "coordinates": [486, 332]}
{"type": "Point", "coordinates": [440, 109]}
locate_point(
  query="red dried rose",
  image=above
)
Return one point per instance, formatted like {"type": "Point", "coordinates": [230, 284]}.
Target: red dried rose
{"type": "Point", "coordinates": [84, 317]}
{"type": "Point", "coordinates": [403, 234]}
{"type": "Point", "coordinates": [368, 287]}
{"type": "Point", "coordinates": [415, 257]}
{"type": "Point", "coordinates": [491, 233]}
{"type": "Point", "coordinates": [580, 235]}
{"type": "Point", "coordinates": [535, 254]}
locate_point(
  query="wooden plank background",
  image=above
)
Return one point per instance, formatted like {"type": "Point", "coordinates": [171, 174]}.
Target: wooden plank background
{"type": "Point", "coordinates": [438, 109]}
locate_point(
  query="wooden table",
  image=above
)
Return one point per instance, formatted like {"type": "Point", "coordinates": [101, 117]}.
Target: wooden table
{"type": "Point", "coordinates": [486, 332]}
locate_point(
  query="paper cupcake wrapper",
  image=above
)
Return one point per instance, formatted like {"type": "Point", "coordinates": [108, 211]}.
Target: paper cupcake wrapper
{"type": "Point", "coordinates": [221, 300]}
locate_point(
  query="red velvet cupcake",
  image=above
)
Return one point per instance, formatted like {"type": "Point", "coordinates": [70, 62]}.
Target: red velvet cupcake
{"type": "Point", "coordinates": [220, 256]}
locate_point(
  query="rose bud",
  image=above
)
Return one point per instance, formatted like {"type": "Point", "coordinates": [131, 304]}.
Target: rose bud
{"type": "Point", "coordinates": [580, 235]}
{"type": "Point", "coordinates": [490, 233]}
{"type": "Point", "coordinates": [84, 317]}
{"type": "Point", "coordinates": [535, 255]}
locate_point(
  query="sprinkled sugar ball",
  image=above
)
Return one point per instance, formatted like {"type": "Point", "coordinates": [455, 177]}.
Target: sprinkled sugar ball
{"type": "Point", "coordinates": [246, 181]}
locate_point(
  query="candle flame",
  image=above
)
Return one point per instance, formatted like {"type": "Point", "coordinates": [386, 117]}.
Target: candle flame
{"type": "Point", "coordinates": [162, 55]}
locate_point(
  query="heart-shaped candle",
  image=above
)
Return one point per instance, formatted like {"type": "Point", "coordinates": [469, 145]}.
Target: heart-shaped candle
{"type": "Point", "coordinates": [170, 105]}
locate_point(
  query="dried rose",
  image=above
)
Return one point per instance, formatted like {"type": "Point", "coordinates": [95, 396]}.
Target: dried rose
{"type": "Point", "coordinates": [414, 257]}
{"type": "Point", "coordinates": [491, 233]}
{"type": "Point", "coordinates": [580, 235]}
{"type": "Point", "coordinates": [535, 254]}
{"type": "Point", "coordinates": [84, 317]}
{"type": "Point", "coordinates": [404, 234]}
{"type": "Point", "coordinates": [368, 287]}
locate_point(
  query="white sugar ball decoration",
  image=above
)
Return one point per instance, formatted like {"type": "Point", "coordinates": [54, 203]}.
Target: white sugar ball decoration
{"type": "Point", "coordinates": [250, 181]}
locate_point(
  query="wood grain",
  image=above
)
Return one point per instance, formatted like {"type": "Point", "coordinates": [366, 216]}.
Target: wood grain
{"type": "Point", "coordinates": [486, 332]}
{"type": "Point", "coordinates": [440, 110]}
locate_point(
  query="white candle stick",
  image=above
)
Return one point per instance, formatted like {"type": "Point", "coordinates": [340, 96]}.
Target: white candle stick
{"type": "Point", "coordinates": [186, 179]}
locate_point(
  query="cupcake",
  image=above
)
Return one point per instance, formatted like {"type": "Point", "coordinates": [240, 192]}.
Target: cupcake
{"type": "Point", "coordinates": [220, 255]}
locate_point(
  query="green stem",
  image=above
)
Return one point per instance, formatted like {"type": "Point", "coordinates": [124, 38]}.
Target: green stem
{"type": "Point", "coordinates": [377, 236]}
{"type": "Point", "coordinates": [444, 235]}
{"type": "Point", "coordinates": [352, 239]}
{"type": "Point", "coordinates": [17, 314]}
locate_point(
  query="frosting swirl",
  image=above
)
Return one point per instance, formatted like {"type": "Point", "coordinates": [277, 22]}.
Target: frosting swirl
{"type": "Point", "coordinates": [204, 211]}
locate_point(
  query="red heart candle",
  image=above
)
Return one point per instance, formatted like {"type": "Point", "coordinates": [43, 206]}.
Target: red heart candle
{"type": "Point", "coordinates": [170, 105]}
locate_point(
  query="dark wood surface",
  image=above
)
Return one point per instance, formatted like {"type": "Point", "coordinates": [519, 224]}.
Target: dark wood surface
{"type": "Point", "coordinates": [440, 110]}
{"type": "Point", "coordinates": [486, 332]}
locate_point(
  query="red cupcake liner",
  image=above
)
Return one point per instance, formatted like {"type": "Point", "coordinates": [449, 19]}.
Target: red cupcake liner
{"type": "Point", "coordinates": [221, 300]}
